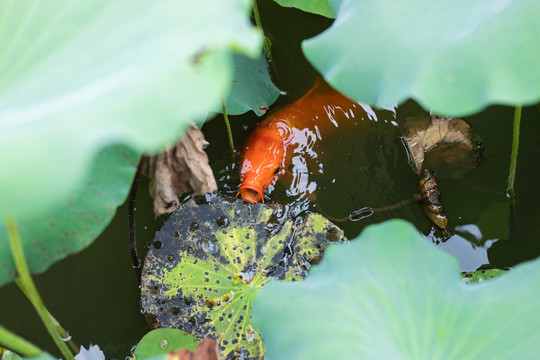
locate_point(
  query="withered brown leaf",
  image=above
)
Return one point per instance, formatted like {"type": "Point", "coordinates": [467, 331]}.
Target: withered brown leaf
{"type": "Point", "coordinates": [181, 168]}
{"type": "Point", "coordinates": [430, 199]}
{"type": "Point", "coordinates": [446, 145]}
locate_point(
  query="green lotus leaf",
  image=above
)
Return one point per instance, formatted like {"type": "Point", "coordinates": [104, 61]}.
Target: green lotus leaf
{"type": "Point", "coordinates": [453, 57]}
{"type": "Point", "coordinates": [389, 294]}
{"type": "Point", "coordinates": [74, 225]}
{"type": "Point", "coordinates": [209, 260]}
{"type": "Point", "coordinates": [252, 88]}
{"type": "Point", "coordinates": [163, 341]}
{"type": "Point", "coordinates": [321, 7]}
{"type": "Point", "coordinates": [78, 77]}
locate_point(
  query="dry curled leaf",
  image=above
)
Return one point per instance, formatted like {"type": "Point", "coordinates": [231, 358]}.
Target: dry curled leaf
{"type": "Point", "coordinates": [206, 350]}
{"type": "Point", "coordinates": [180, 169]}
{"type": "Point", "coordinates": [446, 145]}
{"type": "Point", "coordinates": [430, 199]}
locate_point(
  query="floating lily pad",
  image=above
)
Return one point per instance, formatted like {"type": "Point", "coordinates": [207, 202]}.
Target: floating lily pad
{"type": "Point", "coordinates": [73, 225]}
{"type": "Point", "coordinates": [209, 260]}
{"type": "Point", "coordinates": [77, 77]}
{"type": "Point", "coordinates": [163, 341]}
{"type": "Point", "coordinates": [453, 57]}
{"type": "Point", "coordinates": [321, 7]}
{"type": "Point", "coordinates": [389, 294]}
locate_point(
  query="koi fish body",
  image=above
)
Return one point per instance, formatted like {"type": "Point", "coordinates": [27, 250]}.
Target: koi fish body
{"type": "Point", "coordinates": [295, 128]}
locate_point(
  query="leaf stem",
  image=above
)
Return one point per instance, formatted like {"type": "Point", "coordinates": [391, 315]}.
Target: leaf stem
{"type": "Point", "coordinates": [513, 157]}
{"type": "Point", "coordinates": [135, 262]}
{"type": "Point", "coordinates": [227, 124]}
{"type": "Point", "coordinates": [30, 290]}
{"type": "Point", "coordinates": [266, 44]}
{"type": "Point", "coordinates": [18, 344]}
{"type": "Point", "coordinates": [63, 333]}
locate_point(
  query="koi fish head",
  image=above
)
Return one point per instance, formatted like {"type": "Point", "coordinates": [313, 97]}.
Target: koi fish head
{"type": "Point", "coordinates": [261, 163]}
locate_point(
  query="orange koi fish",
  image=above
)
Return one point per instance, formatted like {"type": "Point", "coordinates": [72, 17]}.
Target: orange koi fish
{"type": "Point", "coordinates": [269, 149]}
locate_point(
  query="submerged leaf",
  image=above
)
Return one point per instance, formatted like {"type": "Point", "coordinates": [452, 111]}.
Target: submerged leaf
{"type": "Point", "coordinates": [446, 145]}
{"type": "Point", "coordinates": [209, 260]}
{"type": "Point", "coordinates": [389, 294]}
{"type": "Point", "coordinates": [182, 168]}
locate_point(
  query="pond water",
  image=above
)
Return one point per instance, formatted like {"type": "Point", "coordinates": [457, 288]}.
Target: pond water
{"type": "Point", "coordinates": [95, 295]}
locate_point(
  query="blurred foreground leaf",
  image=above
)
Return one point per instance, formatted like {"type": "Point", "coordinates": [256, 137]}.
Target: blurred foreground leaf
{"type": "Point", "coordinates": [73, 225]}
{"type": "Point", "coordinates": [389, 294]}
{"type": "Point", "coordinates": [251, 88]}
{"type": "Point", "coordinates": [453, 57]}
{"type": "Point", "coordinates": [321, 7]}
{"type": "Point", "coordinates": [79, 77]}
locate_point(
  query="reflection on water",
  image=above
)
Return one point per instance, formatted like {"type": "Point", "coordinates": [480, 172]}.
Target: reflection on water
{"type": "Point", "coordinates": [471, 249]}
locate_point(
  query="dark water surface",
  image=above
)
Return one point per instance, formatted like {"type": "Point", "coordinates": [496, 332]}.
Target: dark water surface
{"type": "Point", "coordinates": [95, 294]}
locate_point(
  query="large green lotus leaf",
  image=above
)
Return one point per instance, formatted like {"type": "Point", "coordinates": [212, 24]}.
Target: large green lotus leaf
{"type": "Point", "coordinates": [72, 226]}
{"type": "Point", "coordinates": [209, 260]}
{"type": "Point", "coordinates": [389, 294]}
{"type": "Point", "coordinates": [453, 57]}
{"type": "Point", "coordinates": [321, 7]}
{"type": "Point", "coordinates": [79, 76]}
{"type": "Point", "coordinates": [251, 88]}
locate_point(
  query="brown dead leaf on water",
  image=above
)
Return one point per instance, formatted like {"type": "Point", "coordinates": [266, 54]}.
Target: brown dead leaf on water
{"type": "Point", "coordinates": [430, 199]}
{"type": "Point", "coordinates": [446, 145]}
{"type": "Point", "coordinates": [182, 168]}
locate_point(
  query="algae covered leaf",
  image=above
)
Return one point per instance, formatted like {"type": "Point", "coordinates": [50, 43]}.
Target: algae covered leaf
{"type": "Point", "coordinates": [211, 257]}
{"type": "Point", "coordinates": [482, 275]}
